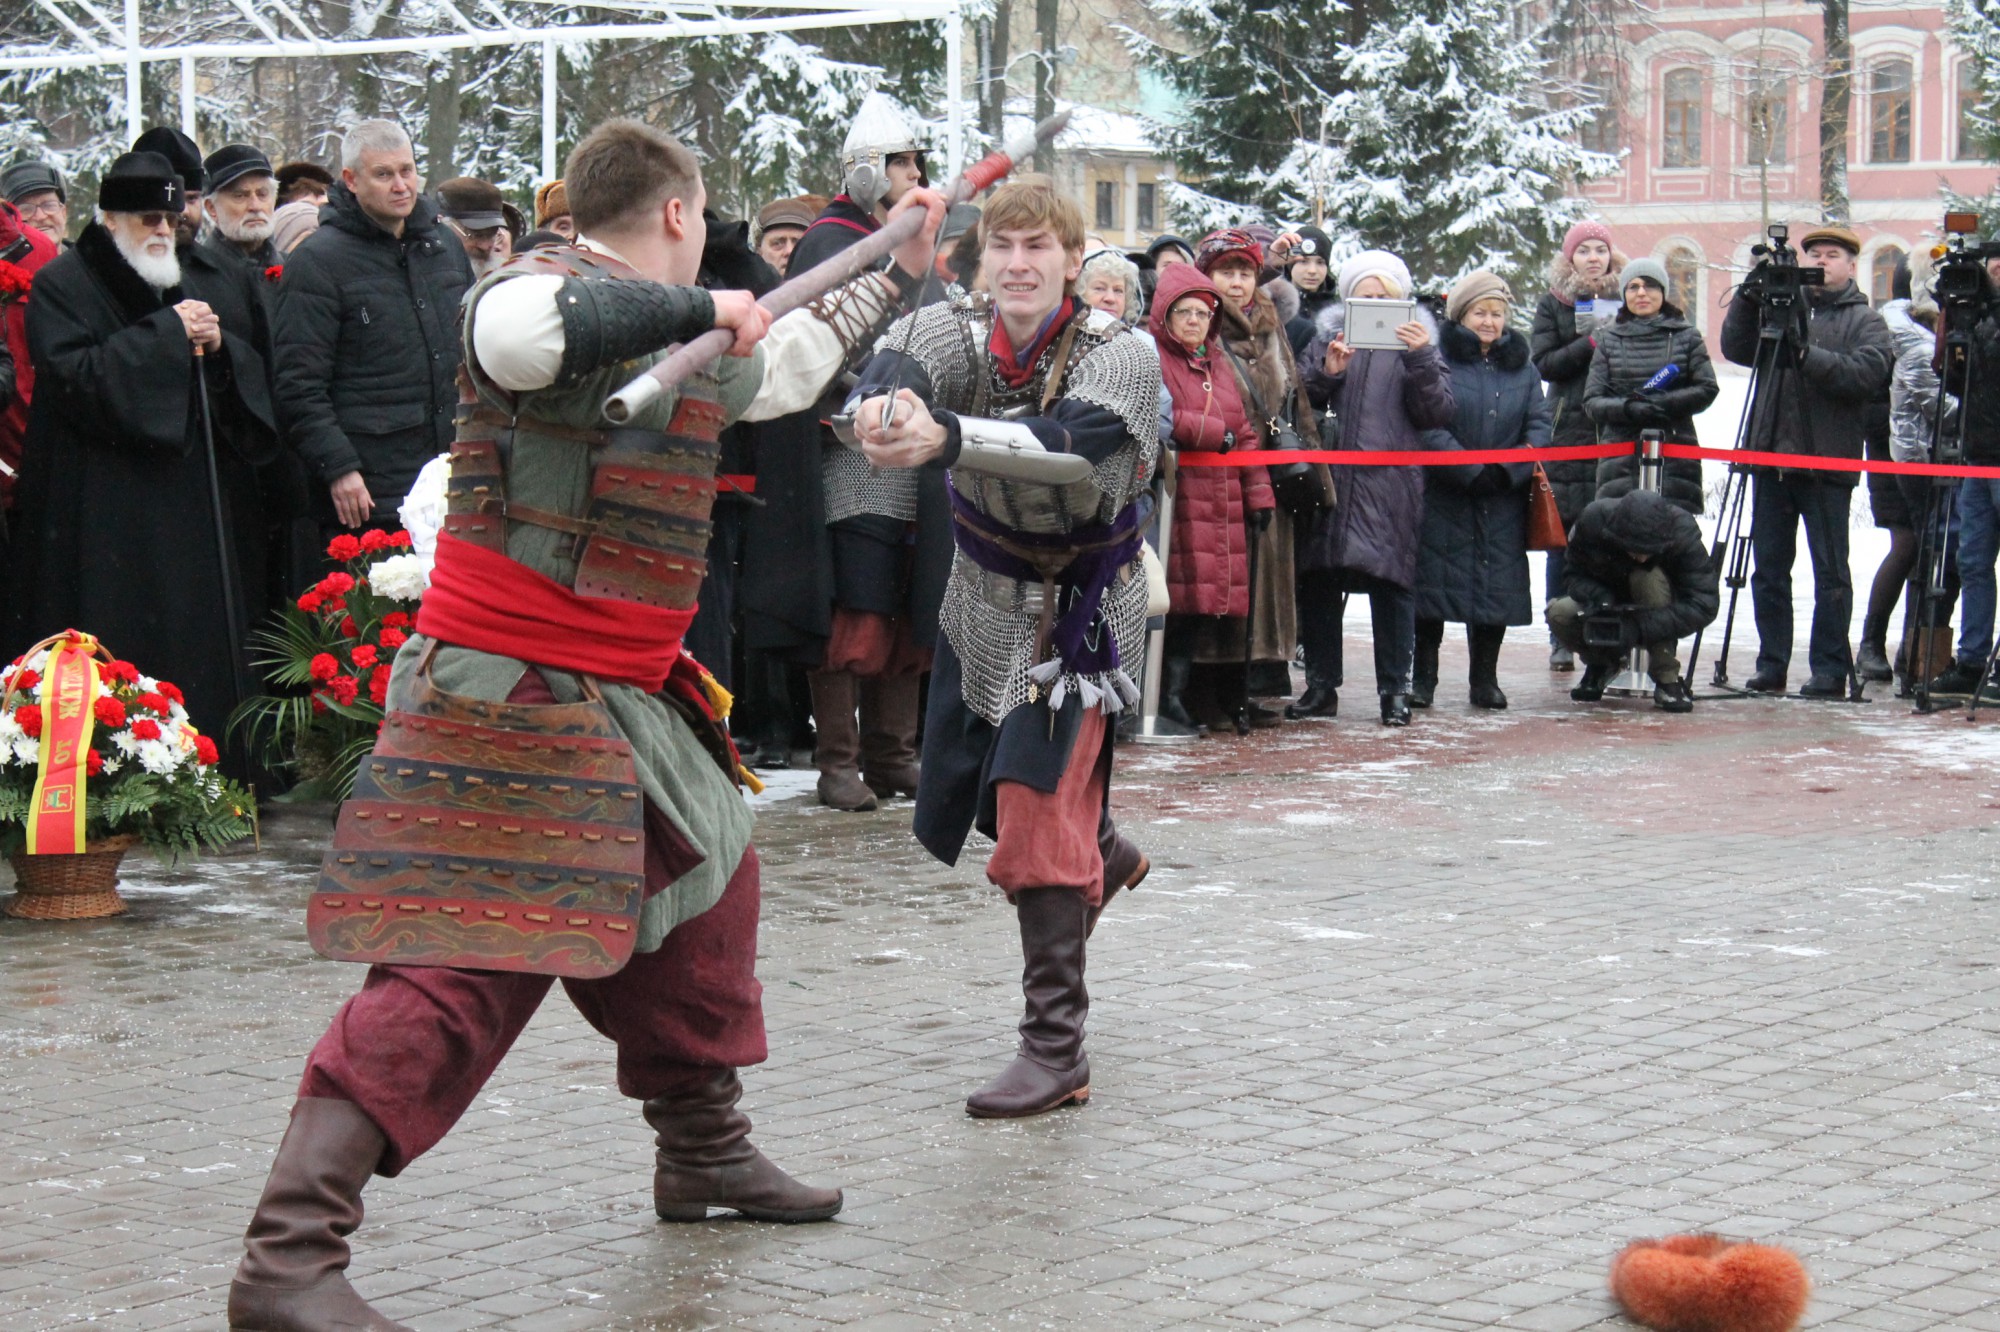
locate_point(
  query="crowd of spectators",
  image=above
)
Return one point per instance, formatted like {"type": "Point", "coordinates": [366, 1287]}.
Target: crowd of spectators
{"type": "Point", "coordinates": [220, 362]}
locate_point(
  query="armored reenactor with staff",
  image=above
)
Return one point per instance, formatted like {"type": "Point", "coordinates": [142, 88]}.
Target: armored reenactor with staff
{"type": "Point", "coordinates": [1047, 414]}
{"type": "Point", "coordinates": [552, 792]}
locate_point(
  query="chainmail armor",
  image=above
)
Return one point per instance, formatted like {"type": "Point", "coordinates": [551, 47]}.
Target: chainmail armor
{"type": "Point", "coordinates": [991, 620]}
{"type": "Point", "coordinates": [853, 485]}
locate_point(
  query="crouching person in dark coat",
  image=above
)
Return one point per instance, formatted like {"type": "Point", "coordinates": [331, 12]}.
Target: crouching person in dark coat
{"type": "Point", "coordinates": [1638, 572]}
{"type": "Point", "coordinates": [118, 516]}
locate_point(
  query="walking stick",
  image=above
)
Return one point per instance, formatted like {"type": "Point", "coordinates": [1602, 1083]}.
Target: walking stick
{"type": "Point", "coordinates": [232, 610]}
{"type": "Point", "coordinates": [815, 282]}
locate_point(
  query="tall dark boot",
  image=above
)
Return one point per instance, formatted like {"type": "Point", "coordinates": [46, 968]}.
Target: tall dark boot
{"type": "Point", "coordinates": [705, 1158]}
{"type": "Point", "coordinates": [837, 749]}
{"type": "Point", "coordinates": [1125, 866]}
{"type": "Point", "coordinates": [1424, 668]}
{"type": "Point", "coordinates": [1485, 640]}
{"type": "Point", "coordinates": [293, 1277]}
{"type": "Point", "coordinates": [889, 733]}
{"type": "Point", "coordinates": [1871, 659]}
{"type": "Point", "coordinates": [1051, 1069]}
{"type": "Point", "coordinates": [1175, 672]}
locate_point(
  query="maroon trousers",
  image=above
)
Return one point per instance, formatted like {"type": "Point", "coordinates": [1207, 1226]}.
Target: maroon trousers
{"type": "Point", "coordinates": [414, 1047]}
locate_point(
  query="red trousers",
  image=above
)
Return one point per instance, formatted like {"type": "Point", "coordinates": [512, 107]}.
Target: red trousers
{"type": "Point", "coordinates": [1050, 839]}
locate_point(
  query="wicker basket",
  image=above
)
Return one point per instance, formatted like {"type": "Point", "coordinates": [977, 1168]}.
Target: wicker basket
{"type": "Point", "coordinates": [73, 887]}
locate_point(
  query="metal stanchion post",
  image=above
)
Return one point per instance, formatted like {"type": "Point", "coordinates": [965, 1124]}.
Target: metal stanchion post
{"type": "Point", "coordinates": [1636, 679]}
{"type": "Point", "coordinates": [1156, 642]}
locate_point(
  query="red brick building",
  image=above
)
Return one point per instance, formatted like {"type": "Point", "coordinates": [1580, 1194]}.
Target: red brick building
{"type": "Point", "coordinates": [1718, 121]}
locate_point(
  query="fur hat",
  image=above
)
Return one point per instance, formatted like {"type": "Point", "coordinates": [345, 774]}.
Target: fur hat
{"type": "Point", "coordinates": [291, 173]}
{"type": "Point", "coordinates": [1839, 233]}
{"type": "Point", "coordinates": [551, 202]}
{"type": "Point", "coordinates": [1375, 263]}
{"type": "Point", "coordinates": [472, 203]}
{"type": "Point", "coordinates": [141, 183]}
{"type": "Point", "coordinates": [1652, 270]}
{"type": "Point", "coordinates": [1230, 241]}
{"type": "Point", "coordinates": [1689, 1282]}
{"type": "Point", "coordinates": [1473, 288]}
{"type": "Point", "coordinates": [1590, 229]}
{"type": "Point", "coordinates": [181, 154]}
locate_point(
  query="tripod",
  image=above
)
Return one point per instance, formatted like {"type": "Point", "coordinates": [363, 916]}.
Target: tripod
{"type": "Point", "coordinates": [1777, 350]}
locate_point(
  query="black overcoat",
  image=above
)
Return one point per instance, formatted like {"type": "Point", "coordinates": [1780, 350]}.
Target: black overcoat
{"type": "Point", "coordinates": [117, 533]}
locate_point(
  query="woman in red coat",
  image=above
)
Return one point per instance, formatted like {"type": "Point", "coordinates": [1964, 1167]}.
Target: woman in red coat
{"type": "Point", "coordinates": [1208, 562]}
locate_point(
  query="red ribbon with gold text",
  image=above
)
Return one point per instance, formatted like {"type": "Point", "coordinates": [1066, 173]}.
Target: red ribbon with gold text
{"type": "Point", "coordinates": [69, 700]}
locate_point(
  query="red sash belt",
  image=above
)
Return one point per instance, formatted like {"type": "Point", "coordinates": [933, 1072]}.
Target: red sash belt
{"type": "Point", "coordinates": [480, 599]}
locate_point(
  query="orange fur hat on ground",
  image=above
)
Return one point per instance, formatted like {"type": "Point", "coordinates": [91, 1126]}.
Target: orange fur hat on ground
{"type": "Point", "coordinates": [1703, 1283]}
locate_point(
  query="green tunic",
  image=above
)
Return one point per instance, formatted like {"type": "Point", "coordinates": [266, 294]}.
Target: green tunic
{"type": "Point", "coordinates": [679, 776]}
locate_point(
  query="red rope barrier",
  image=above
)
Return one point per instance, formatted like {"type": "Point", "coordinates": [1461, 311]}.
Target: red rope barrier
{"type": "Point", "coordinates": [1569, 453]}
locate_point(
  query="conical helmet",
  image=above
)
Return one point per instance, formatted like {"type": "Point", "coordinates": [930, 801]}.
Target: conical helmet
{"type": "Point", "coordinates": [881, 129]}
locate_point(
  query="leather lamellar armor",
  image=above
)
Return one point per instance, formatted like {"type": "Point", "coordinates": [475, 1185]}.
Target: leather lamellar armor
{"type": "Point", "coordinates": [644, 536]}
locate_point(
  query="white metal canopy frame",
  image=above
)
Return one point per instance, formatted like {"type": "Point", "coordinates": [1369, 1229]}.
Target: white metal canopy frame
{"type": "Point", "coordinates": [275, 29]}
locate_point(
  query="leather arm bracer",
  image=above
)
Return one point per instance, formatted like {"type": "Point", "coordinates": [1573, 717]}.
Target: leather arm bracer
{"type": "Point", "coordinates": [607, 321]}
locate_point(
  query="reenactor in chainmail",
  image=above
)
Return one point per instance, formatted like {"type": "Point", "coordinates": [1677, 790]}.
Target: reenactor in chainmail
{"type": "Point", "coordinates": [1046, 415]}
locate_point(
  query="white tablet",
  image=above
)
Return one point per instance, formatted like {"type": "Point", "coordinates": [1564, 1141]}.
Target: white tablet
{"type": "Point", "coordinates": [1373, 323]}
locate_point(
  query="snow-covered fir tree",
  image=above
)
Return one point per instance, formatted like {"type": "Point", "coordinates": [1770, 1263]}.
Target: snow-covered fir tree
{"type": "Point", "coordinates": [1450, 144]}
{"type": "Point", "coordinates": [1975, 29]}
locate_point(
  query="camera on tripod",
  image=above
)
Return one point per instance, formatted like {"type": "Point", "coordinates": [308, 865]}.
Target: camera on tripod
{"type": "Point", "coordinates": [1608, 629]}
{"type": "Point", "coordinates": [1962, 278]}
{"type": "Point", "coordinates": [1777, 282]}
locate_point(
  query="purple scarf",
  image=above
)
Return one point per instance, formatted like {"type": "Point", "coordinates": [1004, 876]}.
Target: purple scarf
{"type": "Point", "coordinates": [1097, 551]}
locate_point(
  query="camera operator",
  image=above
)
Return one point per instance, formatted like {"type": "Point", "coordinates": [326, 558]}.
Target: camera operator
{"type": "Point", "coordinates": [1836, 358]}
{"type": "Point", "coordinates": [1636, 574]}
{"type": "Point", "coordinates": [1978, 496]}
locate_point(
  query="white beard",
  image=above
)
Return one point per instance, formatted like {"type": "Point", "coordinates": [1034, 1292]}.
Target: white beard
{"type": "Point", "coordinates": [158, 271]}
{"type": "Point", "coordinates": [253, 231]}
{"type": "Point", "coordinates": [481, 267]}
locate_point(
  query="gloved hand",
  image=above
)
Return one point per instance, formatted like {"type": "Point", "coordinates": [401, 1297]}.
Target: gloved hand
{"type": "Point", "coordinates": [1260, 520]}
{"type": "Point", "coordinates": [1628, 618]}
{"type": "Point", "coordinates": [1492, 480]}
{"type": "Point", "coordinates": [1641, 410]}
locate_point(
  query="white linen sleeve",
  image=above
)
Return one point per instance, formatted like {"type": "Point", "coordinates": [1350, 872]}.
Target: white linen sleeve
{"type": "Point", "coordinates": [805, 350]}
{"type": "Point", "coordinates": [517, 332]}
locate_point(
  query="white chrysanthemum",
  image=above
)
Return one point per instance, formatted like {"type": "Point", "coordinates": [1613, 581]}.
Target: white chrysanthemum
{"type": "Point", "coordinates": [148, 685]}
{"type": "Point", "coordinates": [157, 756]}
{"type": "Point", "coordinates": [403, 577]}
{"type": "Point", "coordinates": [423, 509]}
{"type": "Point", "coordinates": [26, 753]}
{"type": "Point", "coordinates": [112, 765]}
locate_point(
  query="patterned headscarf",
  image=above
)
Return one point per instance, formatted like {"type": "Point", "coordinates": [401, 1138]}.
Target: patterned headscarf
{"type": "Point", "coordinates": [1219, 245]}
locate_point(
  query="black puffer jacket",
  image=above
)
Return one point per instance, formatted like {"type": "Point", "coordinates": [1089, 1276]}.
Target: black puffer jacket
{"type": "Point", "coordinates": [1561, 345]}
{"type": "Point", "coordinates": [365, 335]}
{"type": "Point", "coordinates": [1598, 566]}
{"type": "Point", "coordinates": [1819, 404]}
{"type": "Point", "coordinates": [1629, 353]}
{"type": "Point", "coordinates": [1472, 560]}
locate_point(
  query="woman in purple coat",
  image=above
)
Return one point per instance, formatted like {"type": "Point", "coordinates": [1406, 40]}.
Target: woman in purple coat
{"type": "Point", "coordinates": [1382, 399]}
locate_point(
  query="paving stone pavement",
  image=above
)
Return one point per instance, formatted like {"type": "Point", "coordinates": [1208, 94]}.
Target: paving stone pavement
{"type": "Point", "coordinates": [1408, 1030]}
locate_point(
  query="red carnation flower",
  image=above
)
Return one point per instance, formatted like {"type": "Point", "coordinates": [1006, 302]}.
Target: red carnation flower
{"type": "Point", "coordinates": [348, 628]}
{"type": "Point", "coordinates": [400, 540]}
{"type": "Point", "coordinates": [274, 272]}
{"type": "Point", "coordinates": [145, 729]}
{"type": "Point", "coordinates": [364, 656]}
{"type": "Point", "coordinates": [335, 605]}
{"type": "Point", "coordinates": [324, 667]}
{"type": "Point", "coordinates": [345, 688]}
{"type": "Point", "coordinates": [109, 711]}
{"type": "Point", "coordinates": [27, 679]}
{"type": "Point", "coordinates": [173, 693]}
{"type": "Point", "coordinates": [311, 602]}
{"type": "Point", "coordinates": [93, 764]}
{"type": "Point", "coordinates": [339, 584]}
{"type": "Point", "coordinates": [374, 539]}
{"type": "Point", "coordinates": [319, 704]}
{"type": "Point", "coordinates": [393, 639]}
{"type": "Point", "coordinates": [14, 279]}
{"type": "Point", "coordinates": [378, 685]}
{"type": "Point", "coordinates": [30, 718]}
{"type": "Point", "coordinates": [343, 547]}
{"type": "Point", "coordinates": [154, 703]}
{"type": "Point", "coordinates": [205, 751]}
{"type": "Point", "coordinates": [396, 620]}
{"type": "Point", "coordinates": [122, 671]}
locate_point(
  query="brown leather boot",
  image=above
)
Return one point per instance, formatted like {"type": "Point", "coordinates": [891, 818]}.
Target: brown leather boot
{"type": "Point", "coordinates": [1051, 1068]}
{"type": "Point", "coordinates": [1125, 866]}
{"type": "Point", "coordinates": [293, 1275]}
{"type": "Point", "coordinates": [889, 724]}
{"type": "Point", "coordinates": [705, 1159]}
{"type": "Point", "coordinates": [837, 752]}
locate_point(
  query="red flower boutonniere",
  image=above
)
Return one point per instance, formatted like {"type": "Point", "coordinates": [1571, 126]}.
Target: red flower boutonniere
{"type": "Point", "coordinates": [14, 281]}
{"type": "Point", "coordinates": [274, 272]}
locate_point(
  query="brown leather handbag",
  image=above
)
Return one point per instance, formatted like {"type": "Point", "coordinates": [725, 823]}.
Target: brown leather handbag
{"type": "Point", "coordinates": [1545, 523]}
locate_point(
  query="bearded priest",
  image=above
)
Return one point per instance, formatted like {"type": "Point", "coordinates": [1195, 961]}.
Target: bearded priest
{"type": "Point", "coordinates": [119, 532]}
